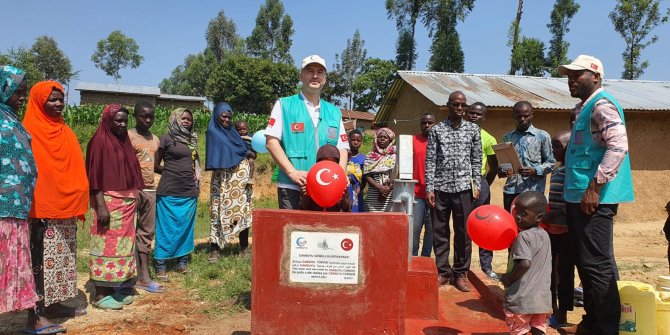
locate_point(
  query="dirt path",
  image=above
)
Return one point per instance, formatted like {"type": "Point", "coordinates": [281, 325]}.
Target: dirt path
{"type": "Point", "coordinates": [640, 250]}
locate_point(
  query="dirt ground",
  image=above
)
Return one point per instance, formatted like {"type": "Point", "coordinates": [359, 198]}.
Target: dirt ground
{"type": "Point", "coordinates": [640, 251]}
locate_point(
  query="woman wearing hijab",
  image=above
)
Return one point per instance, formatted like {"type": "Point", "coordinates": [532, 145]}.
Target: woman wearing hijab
{"type": "Point", "coordinates": [226, 156]}
{"type": "Point", "coordinates": [18, 174]}
{"type": "Point", "coordinates": [61, 197]}
{"type": "Point", "coordinates": [115, 179]}
{"type": "Point", "coordinates": [177, 192]}
{"type": "Point", "coordinates": [378, 168]}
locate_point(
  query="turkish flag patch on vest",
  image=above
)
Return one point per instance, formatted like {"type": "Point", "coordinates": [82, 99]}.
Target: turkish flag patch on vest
{"type": "Point", "coordinates": [297, 127]}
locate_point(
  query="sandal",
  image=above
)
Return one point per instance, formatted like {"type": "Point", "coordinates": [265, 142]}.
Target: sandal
{"type": "Point", "coordinates": [162, 277]}
{"type": "Point", "coordinates": [108, 303]}
{"type": "Point", "coordinates": [213, 257]}
{"type": "Point", "coordinates": [52, 328]}
{"type": "Point", "coordinates": [153, 287]}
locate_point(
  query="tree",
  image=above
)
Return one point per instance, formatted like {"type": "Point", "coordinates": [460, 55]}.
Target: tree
{"type": "Point", "coordinates": [191, 77]}
{"type": "Point", "coordinates": [406, 13]}
{"type": "Point", "coordinates": [251, 85]}
{"type": "Point", "coordinates": [23, 59]}
{"type": "Point", "coordinates": [513, 36]}
{"type": "Point", "coordinates": [441, 19]}
{"type": "Point", "coordinates": [406, 50]}
{"type": "Point", "coordinates": [634, 20]}
{"type": "Point", "coordinates": [372, 83]}
{"type": "Point", "coordinates": [560, 18]}
{"type": "Point", "coordinates": [349, 65]}
{"type": "Point", "coordinates": [51, 61]}
{"type": "Point", "coordinates": [222, 36]}
{"type": "Point", "coordinates": [529, 57]}
{"type": "Point", "coordinates": [271, 38]}
{"type": "Point", "coordinates": [116, 52]}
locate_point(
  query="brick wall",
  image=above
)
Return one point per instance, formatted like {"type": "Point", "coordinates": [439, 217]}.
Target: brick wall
{"type": "Point", "coordinates": [106, 98]}
{"type": "Point", "coordinates": [177, 104]}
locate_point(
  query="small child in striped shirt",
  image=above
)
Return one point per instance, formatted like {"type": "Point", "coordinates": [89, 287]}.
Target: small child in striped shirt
{"type": "Point", "coordinates": [555, 223]}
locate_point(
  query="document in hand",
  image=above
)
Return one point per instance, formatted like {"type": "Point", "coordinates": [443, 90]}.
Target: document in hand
{"type": "Point", "coordinates": [507, 157]}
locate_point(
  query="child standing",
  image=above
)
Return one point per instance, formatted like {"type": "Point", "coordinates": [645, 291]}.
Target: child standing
{"type": "Point", "coordinates": [527, 302]}
{"type": "Point", "coordinates": [666, 230]}
{"type": "Point", "coordinates": [562, 248]}
{"type": "Point", "coordinates": [355, 171]}
{"type": "Point", "coordinates": [243, 129]}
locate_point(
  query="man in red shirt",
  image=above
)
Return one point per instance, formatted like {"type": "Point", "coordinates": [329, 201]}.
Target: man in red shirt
{"type": "Point", "coordinates": [421, 214]}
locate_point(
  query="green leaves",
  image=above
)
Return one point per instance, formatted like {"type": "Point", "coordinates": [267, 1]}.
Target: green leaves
{"type": "Point", "coordinates": [271, 37]}
{"type": "Point", "coordinates": [116, 52]}
{"type": "Point", "coordinates": [251, 85]}
{"type": "Point", "coordinates": [634, 20]}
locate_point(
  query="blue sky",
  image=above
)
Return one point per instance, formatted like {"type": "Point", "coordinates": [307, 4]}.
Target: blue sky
{"type": "Point", "coordinates": [168, 30]}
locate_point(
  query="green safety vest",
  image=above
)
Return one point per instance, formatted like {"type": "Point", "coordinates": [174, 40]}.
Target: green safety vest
{"type": "Point", "coordinates": [583, 157]}
{"type": "Point", "coordinates": [299, 137]}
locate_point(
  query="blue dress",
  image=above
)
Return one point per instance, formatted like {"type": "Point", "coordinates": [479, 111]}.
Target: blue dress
{"type": "Point", "coordinates": [355, 188]}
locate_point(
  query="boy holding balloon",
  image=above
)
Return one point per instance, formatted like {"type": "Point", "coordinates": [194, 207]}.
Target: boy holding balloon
{"type": "Point", "coordinates": [527, 304]}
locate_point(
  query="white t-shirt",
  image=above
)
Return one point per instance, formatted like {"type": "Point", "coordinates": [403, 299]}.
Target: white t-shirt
{"type": "Point", "coordinates": [276, 126]}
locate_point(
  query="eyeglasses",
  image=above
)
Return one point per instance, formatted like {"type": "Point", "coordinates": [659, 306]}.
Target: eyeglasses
{"type": "Point", "coordinates": [458, 104]}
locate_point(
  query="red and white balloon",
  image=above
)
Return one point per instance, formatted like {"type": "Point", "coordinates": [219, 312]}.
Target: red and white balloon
{"type": "Point", "coordinates": [326, 183]}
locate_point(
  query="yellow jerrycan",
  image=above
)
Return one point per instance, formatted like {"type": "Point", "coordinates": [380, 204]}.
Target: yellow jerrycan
{"type": "Point", "coordinates": [663, 313]}
{"type": "Point", "coordinates": [638, 308]}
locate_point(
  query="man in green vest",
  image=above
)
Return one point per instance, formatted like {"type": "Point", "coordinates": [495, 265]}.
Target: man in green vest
{"type": "Point", "coordinates": [298, 126]}
{"type": "Point", "coordinates": [597, 179]}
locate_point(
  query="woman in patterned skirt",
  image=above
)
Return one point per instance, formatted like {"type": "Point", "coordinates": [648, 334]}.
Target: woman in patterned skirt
{"type": "Point", "coordinates": [18, 174]}
{"type": "Point", "coordinates": [226, 156]}
{"type": "Point", "coordinates": [114, 180]}
{"type": "Point", "coordinates": [378, 170]}
{"type": "Point", "coordinates": [61, 197]}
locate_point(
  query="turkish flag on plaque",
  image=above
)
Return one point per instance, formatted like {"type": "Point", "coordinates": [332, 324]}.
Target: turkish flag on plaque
{"type": "Point", "coordinates": [297, 127]}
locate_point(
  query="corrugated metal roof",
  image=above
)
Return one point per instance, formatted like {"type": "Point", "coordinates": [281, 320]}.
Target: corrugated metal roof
{"type": "Point", "coordinates": [181, 97]}
{"type": "Point", "coordinates": [117, 88]}
{"type": "Point", "coordinates": [351, 114]}
{"type": "Point", "coordinates": [505, 90]}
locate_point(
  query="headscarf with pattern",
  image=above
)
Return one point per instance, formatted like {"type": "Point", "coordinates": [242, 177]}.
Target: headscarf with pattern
{"type": "Point", "coordinates": [10, 79]}
{"type": "Point", "coordinates": [381, 160]}
{"type": "Point", "coordinates": [181, 134]}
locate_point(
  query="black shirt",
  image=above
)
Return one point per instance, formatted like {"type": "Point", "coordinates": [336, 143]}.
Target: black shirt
{"type": "Point", "coordinates": [178, 177]}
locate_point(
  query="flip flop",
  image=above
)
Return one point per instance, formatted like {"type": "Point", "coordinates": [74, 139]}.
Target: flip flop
{"type": "Point", "coordinates": [153, 287]}
{"type": "Point", "coordinates": [48, 329]}
{"type": "Point", "coordinates": [108, 302]}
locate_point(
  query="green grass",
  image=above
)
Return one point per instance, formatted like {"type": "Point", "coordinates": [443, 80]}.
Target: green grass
{"type": "Point", "coordinates": [226, 284]}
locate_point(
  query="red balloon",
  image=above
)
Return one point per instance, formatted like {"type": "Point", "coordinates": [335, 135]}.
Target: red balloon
{"type": "Point", "coordinates": [326, 183]}
{"type": "Point", "coordinates": [491, 227]}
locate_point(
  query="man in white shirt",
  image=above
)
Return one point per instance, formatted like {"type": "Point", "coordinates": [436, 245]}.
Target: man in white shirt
{"type": "Point", "coordinates": [298, 126]}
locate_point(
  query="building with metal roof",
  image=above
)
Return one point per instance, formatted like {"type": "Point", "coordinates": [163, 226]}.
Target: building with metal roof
{"type": "Point", "coordinates": [97, 93]}
{"type": "Point", "coordinates": [646, 109]}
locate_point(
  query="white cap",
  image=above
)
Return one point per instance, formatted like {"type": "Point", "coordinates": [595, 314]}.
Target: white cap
{"type": "Point", "coordinates": [583, 62]}
{"type": "Point", "coordinates": [313, 59]}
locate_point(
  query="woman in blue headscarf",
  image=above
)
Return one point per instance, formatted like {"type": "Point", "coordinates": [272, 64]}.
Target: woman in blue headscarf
{"type": "Point", "coordinates": [226, 155]}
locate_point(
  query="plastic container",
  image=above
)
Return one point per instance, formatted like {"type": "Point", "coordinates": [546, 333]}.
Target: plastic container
{"type": "Point", "coordinates": [663, 284]}
{"type": "Point", "coordinates": [638, 308]}
{"type": "Point", "coordinates": [663, 313]}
